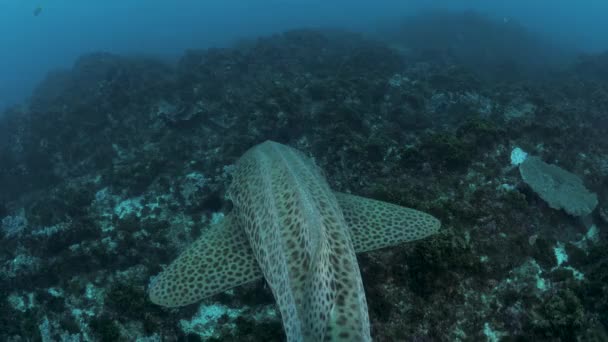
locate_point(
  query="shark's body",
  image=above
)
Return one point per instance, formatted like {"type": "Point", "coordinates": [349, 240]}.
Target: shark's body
{"type": "Point", "coordinates": [289, 227]}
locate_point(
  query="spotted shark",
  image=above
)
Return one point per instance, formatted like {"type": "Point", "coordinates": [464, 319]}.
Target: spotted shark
{"type": "Point", "coordinates": [288, 227]}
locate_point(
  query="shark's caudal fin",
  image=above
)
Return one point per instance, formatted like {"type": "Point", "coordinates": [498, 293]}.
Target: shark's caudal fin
{"type": "Point", "coordinates": [219, 260]}
{"type": "Point", "coordinates": [375, 224]}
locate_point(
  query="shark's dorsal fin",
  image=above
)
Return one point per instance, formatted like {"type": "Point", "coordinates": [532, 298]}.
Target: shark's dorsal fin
{"type": "Point", "coordinates": [375, 224]}
{"type": "Point", "coordinates": [218, 260]}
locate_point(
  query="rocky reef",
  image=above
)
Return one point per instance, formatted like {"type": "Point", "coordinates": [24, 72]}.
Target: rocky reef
{"type": "Point", "coordinates": [117, 164]}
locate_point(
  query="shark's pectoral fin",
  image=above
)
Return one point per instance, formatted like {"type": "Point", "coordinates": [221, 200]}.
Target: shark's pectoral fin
{"type": "Point", "coordinates": [375, 224]}
{"type": "Point", "coordinates": [219, 260]}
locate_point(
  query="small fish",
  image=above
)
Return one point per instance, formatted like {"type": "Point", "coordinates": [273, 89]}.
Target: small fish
{"type": "Point", "coordinates": [37, 10]}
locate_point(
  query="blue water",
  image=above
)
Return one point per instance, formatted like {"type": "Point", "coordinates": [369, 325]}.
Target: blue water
{"type": "Point", "coordinates": [31, 45]}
